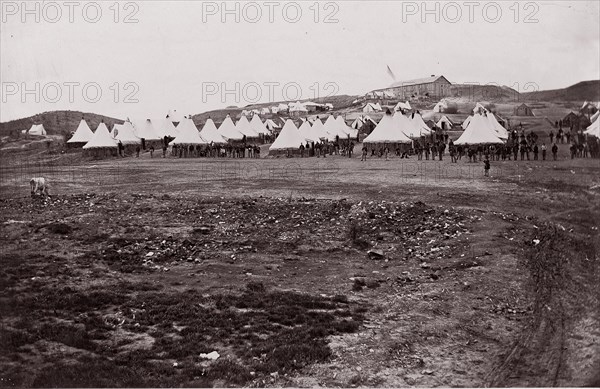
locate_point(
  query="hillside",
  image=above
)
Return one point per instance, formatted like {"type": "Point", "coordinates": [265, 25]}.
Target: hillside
{"type": "Point", "coordinates": [57, 122]}
{"type": "Point", "coordinates": [584, 90]}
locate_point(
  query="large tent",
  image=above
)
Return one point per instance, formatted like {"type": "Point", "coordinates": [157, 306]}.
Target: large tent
{"type": "Point", "coordinates": [345, 128]}
{"type": "Point", "coordinates": [188, 134]}
{"type": "Point", "coordinates": [288, 139]}
{"type": "Point", "coordinates": [387, 131]}
{"type": "Point", "coordinates": [210, 133]}
{"type": "Point", "coordinates": [144, 129]}
{"type": "Point", "coordinates": [417, 126]}
{"type": "Point", "coordinates": [229, 131]}
{"type": "Point", "coordinates": [165, 127]}
{"type": "Point", "coordinates": [318, 130]}
{"type": "Point", "coordinates": [126, 134]}
{"type": "Point", "coordinates": [243, 126]}
{"type": "Point", "coordinates": [306, 132]}
{"type": "Point", "coordinates": [333, 129]}
{"type": "Point", "coordinates": [479, 131]}
{"type": "Point", "coordinates": [101, 144]}
{"type": "Point", "coordinates": [82, 135]}
{"type": "Point", "coordinates": [258, 126]}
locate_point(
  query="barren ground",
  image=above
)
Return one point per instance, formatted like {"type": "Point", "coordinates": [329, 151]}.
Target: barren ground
{"type": "Point", "coordinates": [135, 267]}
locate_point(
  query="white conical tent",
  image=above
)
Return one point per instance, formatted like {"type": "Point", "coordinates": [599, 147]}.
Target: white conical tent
{"type": "Point", "coordinates": [145, 129]}
{"type": "Point", "coordinates": [289, 138]}
{"type": "Point", "coordinates": [243, 126]}
{"type": "Point", "coordinates": [258, 126]}
{"type": "Point", "coordinates": [444, 121]}
{"type": "Point", "coordinates": [332, 126]}
{"type": "Point", "coordinates": [188, 134]}
{"type": "Point", "coordinates": [101, 139]}
{"type": "Point", "coordinates": [271, 125]}
{"type": "Point", "coordinates": [165, 127]}
{"type": "Point", "coordinates": [318, 130]}
{"type": "Point", "coordinates": [83, 134]}
{"type": "Point", "coordinates": [387, 131]}
{"type": "Point", "coordinates": [306, 132]}
{"type": "Point", "coordinates": [228, 130]}
{"type": "Point", "coordinates": [404, 124]}
{"type": "Point", "coordinates": [346, 129]}
{"type": "Point", "coordinates": [417, 126]}
{"type": "Point", "coordinates": [479, 131]}
{"type": "Point", "coordinates": [593, 129]}
{"type": "Point", "coordinates": [116, 128]}
{"type": "Point", "coordinates": [210, 133]}
{"type": "Point", "coordinates": [126, 134]}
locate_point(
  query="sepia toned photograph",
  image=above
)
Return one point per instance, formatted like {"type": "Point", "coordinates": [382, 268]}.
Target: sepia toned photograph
{"type": "Point", "coordinates": [346, 194]}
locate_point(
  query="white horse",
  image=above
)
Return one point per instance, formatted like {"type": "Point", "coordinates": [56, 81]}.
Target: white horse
{"type": "Point", "coordinates": [39, 184]}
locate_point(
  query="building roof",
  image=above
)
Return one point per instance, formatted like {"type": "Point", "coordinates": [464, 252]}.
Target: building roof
{"type": "Point", "coordinates": [418, 81]}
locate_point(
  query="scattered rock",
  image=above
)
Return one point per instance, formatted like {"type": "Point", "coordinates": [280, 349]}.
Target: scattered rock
{"type": "Point", "coordinates": [213, 355]}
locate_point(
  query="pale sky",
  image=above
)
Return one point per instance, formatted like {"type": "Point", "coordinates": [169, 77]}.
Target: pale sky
{"type": "Point", "coordinates": [182, 54]}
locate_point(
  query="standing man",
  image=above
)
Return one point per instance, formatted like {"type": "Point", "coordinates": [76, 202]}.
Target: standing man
{"type": "Point", "coordinates": [551, 136]}
{"type": "Point", "coordinates": [486, 167]}
{"type": "Point", "coordinates": [554, 151]}
{"type": "Point", "coordinates": [543, 151]}
{"type": "Point", "coordinates": [364, 153]}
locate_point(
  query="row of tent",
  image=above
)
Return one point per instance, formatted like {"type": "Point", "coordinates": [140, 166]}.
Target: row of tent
{"type": "Point", "coordinates": [185, 133]}
{"type": "Point", "coordinates": [304, 107]}
{"type": "Point", "coordinates": [292, 137]}
{"type": "Point", "coordinates": [398, 128]}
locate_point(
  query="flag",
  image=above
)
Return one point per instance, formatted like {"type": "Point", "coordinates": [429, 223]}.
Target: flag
{"type": "Point", "coordinates": [391, 74]}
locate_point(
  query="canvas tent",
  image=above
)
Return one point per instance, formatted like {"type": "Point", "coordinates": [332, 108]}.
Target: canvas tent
{"type": "Point", "coordinates": [297, 107]}
{"type": "Point", "coordinates": [372, 107]}
{"type": "Point", "coordinates": [144, 129]}
{"type": "Point", "coordinates": [188, 134]}
{"type": "Point", "coordinates": [387, 132]}
{"type": "Point", "coordinates": [595, 116]}
{"type": "Point", "coordinates": [479, 131]}
{"type": "Point", "coordinates": [165, 127]}
{"type": "Point", "coordinates": [402, 106]}
{"type": "Point", "coordinates": [289, 139]}
{"type": "Point", "coordinates": [444, 123]}
{"type": "Point", "coordinates": [82, 135]}
{"type": "Point", "coordinates": [479, 108]}
{"type": "Point", "coordinates": [36, 129]}
{"type": "Point", "coordinates": [271, 125]}
{"type": "Point", "coordinates": [101, 144]}
{"type": "Point", "coordinates": [306, 132]}
{"type": "Point", "coordinates": [593, 129]}
{"type": "Point", "coordinates": [345, 128]}
{"type": "Point", "coordinates": [417, 126]}
{"type": "Point", "coordinates": [465, 124]}
{"type": "Point", "coordinates": [318, 130]}
{"type": "Point", "coordinates": [210, 133]}
{"type": "Point", "coordinates": [229, 131]}
{"type": "Point", "coordinates": [126, 134]}
{"type": "Point", "coordinates": [258, 126]}
{"type": "Point", "coordinates": [243, 126]}
{"type": "Point", "coordinates": [333, 129]}
{"type": "Point", "coordinates": [174, 116]}
{"type": "Point", "coordinates": [501, 132]}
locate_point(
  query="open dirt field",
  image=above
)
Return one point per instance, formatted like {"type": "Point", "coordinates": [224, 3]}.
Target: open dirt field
{"type": "Point", "coordinates": [300, 272]}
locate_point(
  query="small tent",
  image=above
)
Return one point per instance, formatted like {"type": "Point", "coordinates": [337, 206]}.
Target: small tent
{"type": "Point", "coordinates": [144, 129]}
{"type": "Point", "coordinates": [479, 131]}
{"type": "Point", "coordinates": [82, 135]}
{"type": "Point", "coordinates": [402, 106]}
{"type": "Point", "coordinates": [346, 129]}
{"type": "Point", "coordinates": [165, 127]}
{"type": "Point", "coordinates": [333, 129]}
{"type": "Point", "coordinates": [318, 130]}
{"type": "Point", "coordinates": [417, 126]}
{"type": "Point", "coordinates": [306, 132]}
{"type": "Point", "coordinates": [289, 139]}
{"type": "Point", "coordinates": [37, 129]}
{"type": "Point", "coordinates": [126, 134]}
{"type": "Point", "coordinates": [210, 133]}
{"type": "Point", "coordinates": [522, 110]}
{"type": "Point", "coordinates": [444, 123]}
{"type": "Point", "coordinates": [101, 144]}
{"type": "Point", "coordinates": [271, 125]}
